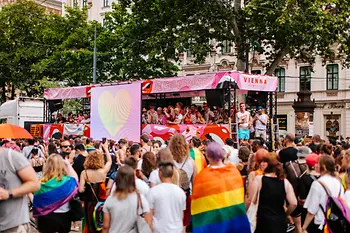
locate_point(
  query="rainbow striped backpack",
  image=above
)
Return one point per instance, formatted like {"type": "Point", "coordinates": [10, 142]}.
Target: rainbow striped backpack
{"type": "Point", "coordinates": [337, 213]}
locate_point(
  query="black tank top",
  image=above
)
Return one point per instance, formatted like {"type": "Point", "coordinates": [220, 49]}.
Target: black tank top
{"type": "Point", "coordinates": [271, 216]}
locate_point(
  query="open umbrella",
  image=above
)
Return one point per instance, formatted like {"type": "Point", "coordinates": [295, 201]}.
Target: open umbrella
{"type": "Point", "coordinates": [13, 131]}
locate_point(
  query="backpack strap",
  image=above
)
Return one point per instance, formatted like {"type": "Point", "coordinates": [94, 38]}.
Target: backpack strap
{"type": "Point", "coordinates": [92, 189]}
{"type": "Point", "coordinates": [325, 188]}
{"type": "Point", "coordinates": [328, 194]}
{"type": "Point", "coordinates": [313, 177]}
{"type": "Point", "coordinates": [184, 162]}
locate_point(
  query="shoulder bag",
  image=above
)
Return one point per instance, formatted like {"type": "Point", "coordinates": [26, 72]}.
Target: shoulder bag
{"type": "Point", "coordinates": [141, 224]}
{"type": "Point", "coordinates": [253, 209]}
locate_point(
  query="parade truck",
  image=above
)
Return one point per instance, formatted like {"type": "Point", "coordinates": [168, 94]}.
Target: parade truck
{"type": "Point", "coordinates": [161, 91]}
{"type": "Point", "coordinates": [23, 111]}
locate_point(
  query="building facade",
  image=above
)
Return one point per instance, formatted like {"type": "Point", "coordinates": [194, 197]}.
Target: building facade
{"type": "Point", "coordinates": [51, 6]}
{"type": "Point", "coordinates": [96, 8]}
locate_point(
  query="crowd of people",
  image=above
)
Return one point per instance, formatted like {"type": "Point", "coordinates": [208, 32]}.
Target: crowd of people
{"type": "Point", "coordinates": [173, 187]}
{"type": "Point", "coordinates": [179, 114]}
{"type": "Point", "coordinates": [80, 118]}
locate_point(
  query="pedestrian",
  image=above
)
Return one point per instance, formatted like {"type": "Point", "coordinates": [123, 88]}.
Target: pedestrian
{"type": "Point", "coordinates": [144, 144]}
{"type": "Point", "coordinates": [218, 197]}
{"type": "Point", "coordinates": [187, 170]}
{"type": "Point", "coordinates": [28, 149]}
{"type": "Point", "coordinates": [17, 179]}
{"type": "Point", "coordinates": [306, 181]}
{"type": "Point", "coordinates": [259, 168]}
{"type": "Point", "coordinates": [51, 203]}
{"type": "Point", "coordinates": [141, 186]}
{"type": "Point", "coordinates": [149, 164]}
{"type": "Point", "coordinates": [37, 162]}
{"type": "Point", "coordinates": [93, 186]}
{"type": "Point", "coordinates": [289, 153]}
{"type": "Point", "coordinates": [167, 202]}
{"type": "Point", "coordinates": [164, 155]}
{"type": "Point", "coordinates": [79, 160]}
{"type": "Point", "coordinates": [271, 191]}
{"type": "Point", "coordinates": [233, 152]}
{"type": "Point", "coordinates": [66, 150]}
{"type": "Point", "coordinates": [135, 152]}
{"type": "Point", "coordinates": [196, 154]}
{"type": "Point", "coordinates": [52, 149]}
{"type": "Point", "coordinates": [157, 145]}
{"type": "Point", "coordinates": [120, 210]}
{"type": "Point", "coordinates": [314, 221]}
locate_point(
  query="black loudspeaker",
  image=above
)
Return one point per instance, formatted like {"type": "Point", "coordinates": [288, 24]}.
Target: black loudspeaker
{"type": "Point", "coordinates": [256, 98]}
{"type": "Point", "coordinates": [55, 105]}
{"type": "Point", "coordinates": [215, 97]}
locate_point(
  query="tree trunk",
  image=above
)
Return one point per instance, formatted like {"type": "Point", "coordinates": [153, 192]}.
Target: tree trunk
{"type": "Point", "coordinates": [12, 91]}
{"type": "Point", "coordinates": [280, 55]}
{"type": "Point", "coordinates": [3, 93]}
{"type": "Point", "coordinates": [240, 64]}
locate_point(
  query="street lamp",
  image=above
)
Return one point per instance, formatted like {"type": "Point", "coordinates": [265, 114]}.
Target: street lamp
{"type": "Point", "coordinates": [94, 60]}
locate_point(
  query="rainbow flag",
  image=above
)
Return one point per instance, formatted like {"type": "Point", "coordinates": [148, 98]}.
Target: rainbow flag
{"type": "Point", "coordinates": [53, 194]}
{"type": "Point", "coordinates": [199, 158]}
{"type": "Point", "coordinates": [90, 148]}
{"type": "Point", "coordinates": [218, 201]}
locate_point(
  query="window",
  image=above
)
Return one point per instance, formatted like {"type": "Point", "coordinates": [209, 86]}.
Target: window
{"type": "Point", "coordinates": [332, 77]}
{"type": "Point", "coordinates": [281, 74]}
{"type": "Point", "coordinates": [226, 47]}
{"type": "Point", "coordinates": [305, 78]}
{"type": "Point", "coordinates": [75, 3]}
{"type": "Point", "coordinates": [105, 3]}
{"type": "Point", "coordinates": [189, 53]}
{"type": "Point", "coordinates": [84, 3]}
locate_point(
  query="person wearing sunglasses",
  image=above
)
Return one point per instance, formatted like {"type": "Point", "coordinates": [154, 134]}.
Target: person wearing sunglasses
{"type": "Point", "coordinates": [66, 149]}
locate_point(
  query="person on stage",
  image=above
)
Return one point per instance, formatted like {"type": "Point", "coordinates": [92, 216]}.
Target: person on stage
{"type": "Point", "coordinates": [244, 122]}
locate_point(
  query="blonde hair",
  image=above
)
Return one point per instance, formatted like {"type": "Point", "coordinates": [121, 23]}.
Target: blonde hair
{"type": "Point", "coordinates": [55, 167]}
{"type": "Point", "coordinates": [94, 160]}
{"type": "Point", "coordinates": [178, 147]}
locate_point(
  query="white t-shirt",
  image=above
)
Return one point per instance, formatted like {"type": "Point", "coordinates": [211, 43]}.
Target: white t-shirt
{"type": "Point", "coordinates": [233, 157]}
{"type": "Point", "coordinates": [243, 117]}
{"type": "Point", "coordinates": [154, 177]}
{"type": "Point", "coordinates": [141, 186]}
{"type": "Point", "coordinates": [123, 212]}
{"type": "Point", "coordinates": [139, 164]}
{"type": "Point", "coordinates": [318, 196]}
{"type": "Point", "coordinates": [168, 202]}
{"type": "Point", "coordinates": [258, 124]}
{"type": "Point", "coordinates": [347, 197]}
{"type": "Point", "coordinates": [179, 117]}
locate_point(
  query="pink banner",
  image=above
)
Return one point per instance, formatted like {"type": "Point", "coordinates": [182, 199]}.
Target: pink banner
{"type": "Point", "coordinates": [115, 112]}
{"type": "Point", "coordinates": [67, 93]}
{"type": "Point", "coordinates": [183, 83]}
{"type": "Point", "coordinates": [250, 82]}
{"type": "Point", "coordinates": [246, 82]}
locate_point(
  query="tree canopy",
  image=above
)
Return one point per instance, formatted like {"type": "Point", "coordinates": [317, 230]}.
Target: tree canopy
{"type": "Point", "coordinates": [39, 49]}
{"type": "Point", "coordinates": [297, 29]}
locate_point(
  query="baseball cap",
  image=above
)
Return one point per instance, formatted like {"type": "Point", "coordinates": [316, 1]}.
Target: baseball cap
{"type": "Point", "coordinates": [303, 151]}
{"type": "Point", "coordinates": [312, 159]}
{"type": "Point", "coordinates": [259, 108]}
